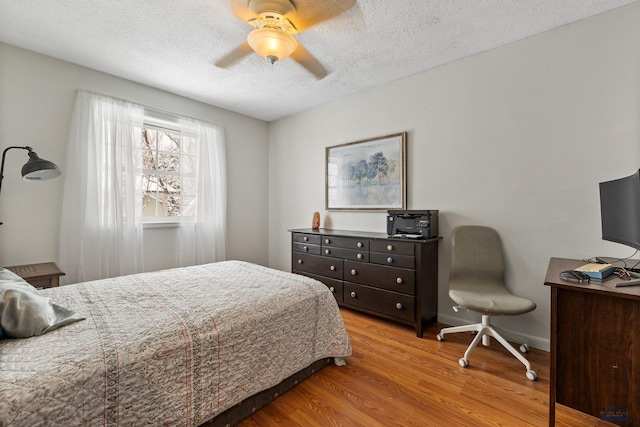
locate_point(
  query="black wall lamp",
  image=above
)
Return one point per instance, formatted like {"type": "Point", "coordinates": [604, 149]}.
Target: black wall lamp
{"type": "Point", "coordinates": [36, 169]}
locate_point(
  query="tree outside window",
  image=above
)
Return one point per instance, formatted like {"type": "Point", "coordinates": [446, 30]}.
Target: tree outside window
{"type": "Point", "coordinates": [169, 173]}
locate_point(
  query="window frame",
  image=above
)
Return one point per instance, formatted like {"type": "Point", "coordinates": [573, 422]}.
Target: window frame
{"type": "Point", "coordinates": [163, 122]}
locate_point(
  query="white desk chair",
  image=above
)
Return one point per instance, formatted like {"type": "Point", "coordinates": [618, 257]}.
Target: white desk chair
{"type": "Point", "coordinates": [477, 283]}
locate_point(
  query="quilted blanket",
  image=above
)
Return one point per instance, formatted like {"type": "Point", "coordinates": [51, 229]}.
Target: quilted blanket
{"type": "Point", "coordinates": [173, 347]}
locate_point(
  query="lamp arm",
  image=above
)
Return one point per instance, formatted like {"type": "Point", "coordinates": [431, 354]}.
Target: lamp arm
{"type": "Point", "coordinates": [4, 153]}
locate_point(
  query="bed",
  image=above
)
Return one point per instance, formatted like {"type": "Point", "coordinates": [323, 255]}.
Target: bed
{"type": "Point", "coordinates": [179, 347]}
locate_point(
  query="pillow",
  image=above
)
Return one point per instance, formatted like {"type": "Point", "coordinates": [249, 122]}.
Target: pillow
{"type": "Point", "coordinates": [9, 277]}
{"type": "Point", "coordinates": [24, 312]}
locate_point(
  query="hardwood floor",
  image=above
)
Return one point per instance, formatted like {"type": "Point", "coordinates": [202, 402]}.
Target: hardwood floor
{"type": "Point", "coordinates": [396, 379]}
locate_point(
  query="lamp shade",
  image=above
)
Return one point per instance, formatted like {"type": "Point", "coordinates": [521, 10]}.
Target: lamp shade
{"type": "Point", "coordinates": [272, 44]}
{"type": "Point", "coordinates": [39, 169]}
{"type": "Point", "coordinates": [36, 169]}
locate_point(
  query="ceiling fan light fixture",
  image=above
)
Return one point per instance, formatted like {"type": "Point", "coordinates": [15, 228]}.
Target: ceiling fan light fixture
{"type": "Point", "coordinates": [272, 44]}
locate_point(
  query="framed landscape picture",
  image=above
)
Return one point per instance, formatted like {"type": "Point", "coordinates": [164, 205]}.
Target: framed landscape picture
{"type": "Point", "coordinates": [367, 175]}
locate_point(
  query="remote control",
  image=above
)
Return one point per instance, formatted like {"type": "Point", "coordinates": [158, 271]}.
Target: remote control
{"type": "Point", "coordinates": [628, 283]}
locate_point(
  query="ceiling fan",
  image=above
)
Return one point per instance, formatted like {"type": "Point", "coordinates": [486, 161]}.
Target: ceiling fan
{"type": "Point", "coordinates": [275, 22]}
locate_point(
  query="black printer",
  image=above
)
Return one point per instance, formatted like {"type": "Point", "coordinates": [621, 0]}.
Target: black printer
{"type": "Point", "coordinates": [412, 224]}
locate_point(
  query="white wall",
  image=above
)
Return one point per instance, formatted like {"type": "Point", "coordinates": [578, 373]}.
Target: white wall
{"type": "Point", "coordinates": [36, 100]}
{"type": "Point", "coordinates": [516, 138]}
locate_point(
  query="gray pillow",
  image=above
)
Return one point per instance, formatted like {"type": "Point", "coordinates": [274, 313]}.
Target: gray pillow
{"type": "Point", "coordinates": [24, 312]}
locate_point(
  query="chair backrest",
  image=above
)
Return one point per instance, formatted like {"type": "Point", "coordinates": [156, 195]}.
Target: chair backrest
{"type": "Point", "coordinates": [476, 257]}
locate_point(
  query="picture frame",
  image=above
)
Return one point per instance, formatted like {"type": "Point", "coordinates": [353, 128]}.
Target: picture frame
{"type": "Point", "coordinates": [367, 175]}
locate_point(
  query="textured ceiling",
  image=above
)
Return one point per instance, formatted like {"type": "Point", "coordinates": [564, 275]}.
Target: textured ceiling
{"type": "Point", "coordinates": [173, 45]}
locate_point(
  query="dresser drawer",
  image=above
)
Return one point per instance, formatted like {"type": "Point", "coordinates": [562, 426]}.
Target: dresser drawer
{"type": "Point", "coordinates": [335, 286]}
{"type": "Point", "coordinates": [358, 255]}
{"type": "Point", "coordinates": [379, 276]}
{"type": "Point", "coordinates": [312, 239]}
{"type": "Point", "coordinates": [41, 283]}
{"type": "Point", "coordinates": [392, 246]}
{"type": "Point", "coordinates": [345, 243]}
{"type": "Point", "coordinates": [323, 266]}
{"type": "Point", "coordinates": [403, 261]}
{"type": "Point", "coordinates": [306, 248]}
{"type": "Point", "coordinates": [389, 303]}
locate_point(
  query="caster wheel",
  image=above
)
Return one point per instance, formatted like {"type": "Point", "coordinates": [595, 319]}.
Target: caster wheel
{"type": "Point", "coordinates": [532, 375]}
{"type": "Point", "coordinates": [524, 348]}
{"type": "Point", "coordinates": [440, 337]}
{"type": "Point", "coordinates": [463, 362]}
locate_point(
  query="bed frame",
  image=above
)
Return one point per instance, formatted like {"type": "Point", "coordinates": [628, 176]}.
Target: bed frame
{"type": "Point", "coordinates": [250, 405]}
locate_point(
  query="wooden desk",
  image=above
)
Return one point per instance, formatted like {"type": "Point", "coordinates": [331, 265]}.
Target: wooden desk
{"type": "Point", "coordinates": [43, 275]}
{"type": "Point", "coordinates": [595, 347]}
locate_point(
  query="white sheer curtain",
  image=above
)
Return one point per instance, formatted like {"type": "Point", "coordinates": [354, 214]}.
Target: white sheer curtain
{"type": "Point", "coordinates": [101, 228]}
{"type": "Point", "coordinates": [205, 239]}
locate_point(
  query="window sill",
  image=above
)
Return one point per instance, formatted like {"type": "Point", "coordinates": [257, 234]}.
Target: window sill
{"type": "Point", "coordinates": [160, 224]}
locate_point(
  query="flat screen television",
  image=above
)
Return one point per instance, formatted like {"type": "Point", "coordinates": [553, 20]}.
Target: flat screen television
{"type": "Point", "coordinates": [620, 210]}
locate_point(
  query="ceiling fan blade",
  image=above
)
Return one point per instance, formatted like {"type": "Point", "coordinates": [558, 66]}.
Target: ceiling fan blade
{"type": "Point", "coordinates": [312, 12]}
{"type": "Point", "coordinates": [240, 9]}
{"type": "Point", "coordinates": [309, 62]}
{"type": "Point", "coordinates": [234, 56]}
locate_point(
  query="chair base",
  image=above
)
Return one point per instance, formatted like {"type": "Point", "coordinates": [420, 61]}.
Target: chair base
{"type": "Point", "coordinates": [484, 331]}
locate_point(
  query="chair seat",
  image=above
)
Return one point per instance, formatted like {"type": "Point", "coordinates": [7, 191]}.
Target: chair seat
{"type": "Point", "coordinates": [496, 302]}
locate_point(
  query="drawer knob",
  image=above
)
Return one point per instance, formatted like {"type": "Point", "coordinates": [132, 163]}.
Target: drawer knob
{"type": "Point", "coordinates": [399, 306]}
{"type": "Point", "coordinates": [299, 261]}
{"type": "Point", "coordinates": [353, 295]}
{"type": "Point", "coordinates": [306, 239]}
{"type": "Point", "coordinates": [354, 272]}
{"type": "Point", "coordinates": [332, 268]}
{"type": "Point", "coordinates": [327, 241]}
{"type": "Point", "coordinates": [390, 247]}
{"type": "Point", "coordinates": [327, 251]}
{"type": "Point", "coordinates": [359, 256]}
{"type": "Point", "coordinates": [332, 289]}
{"type": "Point", "coordinates": [399, 280]}
{"type": "Point", "coordinates": [390, 260]}
{"type": "Point", "coordinates": [360, 244]}
{"type": "Point", "coordinates": [306, 249]}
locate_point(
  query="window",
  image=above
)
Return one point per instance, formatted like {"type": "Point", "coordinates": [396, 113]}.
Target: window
{"type": "Point", "coordinates": [170, 164]}
{"type": "Point", "coordinates": [116, 146]}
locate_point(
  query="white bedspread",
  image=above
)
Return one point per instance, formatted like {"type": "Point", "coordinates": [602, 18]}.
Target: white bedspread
{"type": "Point", "coordinates": [174, 347]}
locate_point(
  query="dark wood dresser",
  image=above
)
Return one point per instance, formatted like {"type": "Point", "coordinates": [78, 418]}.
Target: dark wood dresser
{"type": "Point", "coordinates": [595, 346]}
{"type": "Point", "coordinates": [394, 278]}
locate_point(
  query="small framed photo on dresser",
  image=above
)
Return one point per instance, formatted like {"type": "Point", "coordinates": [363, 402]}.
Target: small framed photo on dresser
{"type": "Point", "coordinates": [367, 175]}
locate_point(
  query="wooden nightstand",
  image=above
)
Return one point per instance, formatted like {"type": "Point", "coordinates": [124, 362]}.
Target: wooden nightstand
{"type": "Point", "coordinates": [44, 275]}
